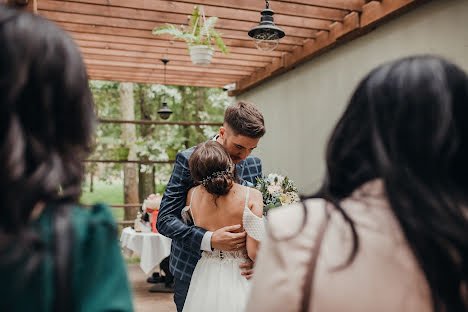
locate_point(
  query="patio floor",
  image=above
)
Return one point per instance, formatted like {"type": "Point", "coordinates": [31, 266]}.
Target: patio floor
{"type": "Point", "coordinates": [143, 300]}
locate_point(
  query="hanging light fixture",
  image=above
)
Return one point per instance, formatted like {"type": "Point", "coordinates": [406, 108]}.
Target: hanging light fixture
{"type": "Point", "coordinates": [266, 35]}
{"type": "Point", "coordinates": [164, 112]}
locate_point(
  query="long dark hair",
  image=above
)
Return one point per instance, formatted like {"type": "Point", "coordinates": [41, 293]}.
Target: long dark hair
{"type": "Point", "coordinates": [407, 123]}
{"type": "Point", "coordinates": [46, 120]}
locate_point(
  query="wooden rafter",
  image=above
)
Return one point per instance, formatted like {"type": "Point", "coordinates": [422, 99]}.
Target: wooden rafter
{"type": "Point", "coordinates": [349, 5]}
{"type": "Point", "coordinates": [372, 14]}
{"type": "Point", "coordinates": [116, 41]}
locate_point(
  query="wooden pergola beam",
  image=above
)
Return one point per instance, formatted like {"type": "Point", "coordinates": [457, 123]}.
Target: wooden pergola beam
{"type": "Point", "coordinates": [135, 68]}
{"type": "Point", "coordinates": [182, 58]}
{"type": "Point", "coordinates": [116, 41]}
{"type": "Point", "coordinates": [243, 10]}
{"type": "Point", "coordinates": [140, 77]}
{"type": "Point", "coordinates": [378, 12]}
{"type": "Point", "coordinates": [125, 24]}
{"type": "Point", "coordinates": [160, 52]}
{"type": "Point", "coordinates": [179, 82]}
{"type": "Point", "coordinates": [172, 68]}
{"type": "Point", "coordinates": [153, 78]}
{"type": "Point", "coordinates": [149, 80]}
{"type": "Point", "coordinates": [374, 13]}
{"type": "Point", "coordinates": [230, 14]}
{"type": "Point", "coordinates": [324, 40]}
{"type": "Point", "coordinates": [148, 76]}
{"type": "Point", "coordinates": [171, 47]}
{"type": "Point", "coordinates": [280, 8]}
{"type": "Point", "coordinates": [159, 18]}
{"type": "Point", "coordinates": [231, 43]}
{"type": "Point", "coordinates": [174, 65]}
{"type": "Point", "coordinates": [350, 5]}
{"type": "Point", "coordinates": [236, 52]}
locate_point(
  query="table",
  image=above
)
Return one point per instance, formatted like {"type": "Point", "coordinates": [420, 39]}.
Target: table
{"type": "Point", "coordinates": [152, 247]}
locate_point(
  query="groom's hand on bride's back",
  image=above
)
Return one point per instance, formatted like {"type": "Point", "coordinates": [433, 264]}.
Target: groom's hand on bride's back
{"type": "Point", "coordinates": [229, 238]}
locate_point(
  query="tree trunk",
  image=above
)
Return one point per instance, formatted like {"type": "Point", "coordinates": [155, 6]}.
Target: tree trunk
{"type": "Point", "coordinates": [91, 181]}
{"type": "Point", "coordinates": [153, 178]}
{"type": "Point", "coordinates": [145, 186]}
{"type": "Point", "coordinates": [200, 108]}
{"type": "Point", "coordinates": [145, 179]}
{"type": "Point", "coordinates": [185, 115]}
{"type": "Point", "coordinates": [127, 105]}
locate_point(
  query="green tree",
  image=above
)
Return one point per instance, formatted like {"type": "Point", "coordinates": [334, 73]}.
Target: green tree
{"type": "Point", "coordinates": [107, 135]}
{"type": "Point", "coordinates": [153, 142]}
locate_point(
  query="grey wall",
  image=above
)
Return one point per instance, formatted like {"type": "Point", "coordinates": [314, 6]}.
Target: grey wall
{"type": "Point", "coordinates": [302, 106]}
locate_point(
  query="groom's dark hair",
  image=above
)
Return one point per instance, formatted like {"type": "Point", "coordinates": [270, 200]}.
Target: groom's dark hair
{"type": "Point", "coordinates": [245, 119]}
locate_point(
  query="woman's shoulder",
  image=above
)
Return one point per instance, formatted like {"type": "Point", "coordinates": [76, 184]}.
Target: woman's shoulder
{"type": "Point", "coordinates": [96, 246]}
{"type": "Point", "coordinates": [299, 217]}
{"type": "Point", "coordinates": [98, 213]}
{"type": "Point", "coordinates": [97, 218]}
{"type": "Point", "coordinates": [83, 215]}
{"type": "Point", "coordinates": [255, 194]}
{"type": "Point", "coordinates": [190, 193]}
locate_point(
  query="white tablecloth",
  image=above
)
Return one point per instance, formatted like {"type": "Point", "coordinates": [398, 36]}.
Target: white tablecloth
{"type": "Point", "coordinates": [152, 247]}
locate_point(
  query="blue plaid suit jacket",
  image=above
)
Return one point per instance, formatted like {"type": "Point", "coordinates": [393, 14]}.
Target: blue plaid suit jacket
{"type": "Point", "coordinates": [186, 239]}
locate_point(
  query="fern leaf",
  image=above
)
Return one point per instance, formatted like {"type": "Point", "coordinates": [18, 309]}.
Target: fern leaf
{"type": "Point", "coordinates": [220, 44]}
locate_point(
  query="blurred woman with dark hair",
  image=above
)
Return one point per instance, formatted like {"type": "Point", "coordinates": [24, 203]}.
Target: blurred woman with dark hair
{"type": "Point", "coordinates": [54, 254]}
{"type": "Point", "coordinates": [388, 230]}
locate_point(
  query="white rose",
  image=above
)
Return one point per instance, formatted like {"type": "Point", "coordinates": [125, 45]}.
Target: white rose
{"type": "Point", "coordinates": [274, 189]}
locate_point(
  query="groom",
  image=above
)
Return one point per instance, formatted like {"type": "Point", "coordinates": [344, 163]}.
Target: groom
{"type": "Point", "coordinates": [242, 129]}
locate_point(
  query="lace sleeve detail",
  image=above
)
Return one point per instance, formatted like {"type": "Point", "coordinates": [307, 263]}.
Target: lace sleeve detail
{"type": "Point", "coordinates": [253, 225]}
{"type": "Point", "coordinates": [186, 217]}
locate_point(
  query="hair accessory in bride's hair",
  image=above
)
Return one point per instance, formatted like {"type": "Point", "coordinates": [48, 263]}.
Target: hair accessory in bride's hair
{"type": "Point", "coordinates": [217, 174]}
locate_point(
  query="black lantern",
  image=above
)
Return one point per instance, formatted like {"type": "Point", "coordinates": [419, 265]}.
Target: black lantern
{"type": "Point", "coordinates": [266, 35]}
{"type": "Point", "coordinates": [164, 112]}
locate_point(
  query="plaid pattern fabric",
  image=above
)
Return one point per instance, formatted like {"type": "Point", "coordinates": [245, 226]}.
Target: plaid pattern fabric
{"type": "Point", "coordinates": [186, 239]}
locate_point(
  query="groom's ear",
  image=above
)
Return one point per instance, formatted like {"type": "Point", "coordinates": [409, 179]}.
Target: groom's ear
{"type": "Point", "coordinates": [222, 132]}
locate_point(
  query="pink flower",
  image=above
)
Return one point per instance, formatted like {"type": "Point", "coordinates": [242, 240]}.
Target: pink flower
{"type": "Point", "coordinates": [274, 189]}
{"type": "Point", "coordinates": [152, 202]}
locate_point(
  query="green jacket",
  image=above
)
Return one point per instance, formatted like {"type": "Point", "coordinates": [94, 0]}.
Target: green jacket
{"type": "Point", "coordinates": [99, 275]}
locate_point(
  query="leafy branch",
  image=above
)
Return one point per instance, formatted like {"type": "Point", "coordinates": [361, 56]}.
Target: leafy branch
{"type": "Point", "coordinates": [201, 31]}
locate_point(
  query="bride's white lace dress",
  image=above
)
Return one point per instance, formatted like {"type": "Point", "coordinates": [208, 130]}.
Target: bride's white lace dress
{"type": "Point", "coordinates": [217, 284]}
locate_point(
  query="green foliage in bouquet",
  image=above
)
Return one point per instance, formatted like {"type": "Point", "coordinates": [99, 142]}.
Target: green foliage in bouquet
{"type": "Point", "coordinates": [198, 33]}
{"type": "Point", "coordinates": [276, 191]}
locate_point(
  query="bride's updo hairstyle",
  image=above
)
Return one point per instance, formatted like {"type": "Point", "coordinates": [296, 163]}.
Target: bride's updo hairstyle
{"type": "Point", "coordinates": [211, 166]}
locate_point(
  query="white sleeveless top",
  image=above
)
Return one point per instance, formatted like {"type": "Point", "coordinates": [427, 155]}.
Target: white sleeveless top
{"type": "Point", "coordinates": [253, 225]}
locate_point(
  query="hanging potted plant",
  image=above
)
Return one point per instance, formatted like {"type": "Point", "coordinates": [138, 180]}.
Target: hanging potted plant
{"type": "Point", "coordinates": [199, 36]}
{"type": "Point", "coordinates": [122, 152]}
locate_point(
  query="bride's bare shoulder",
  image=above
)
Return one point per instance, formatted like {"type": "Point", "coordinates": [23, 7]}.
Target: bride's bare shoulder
{"type": "Point", "coordinates": [237, 189]}
{"type": "Point", "coordinates": [189, 195]}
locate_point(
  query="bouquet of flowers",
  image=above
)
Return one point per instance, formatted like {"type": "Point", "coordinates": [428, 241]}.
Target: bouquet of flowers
{"type": "Point", "coordinates": [277, 191]}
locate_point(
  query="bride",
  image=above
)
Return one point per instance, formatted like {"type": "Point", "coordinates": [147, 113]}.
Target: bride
{"type": "Point", "coordinates": [218, 201]}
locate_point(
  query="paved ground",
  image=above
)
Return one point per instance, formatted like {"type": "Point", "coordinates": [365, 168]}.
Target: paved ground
{"type": "Point", "coordinates": [143, 300]}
